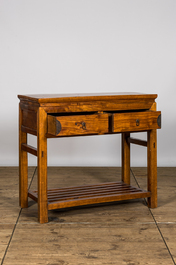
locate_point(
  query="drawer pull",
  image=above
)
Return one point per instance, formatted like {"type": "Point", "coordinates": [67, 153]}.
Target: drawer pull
{"type": "Point", "coordinates": [137, 122]}
{"type": "Point", "coordinates": [58, 127]}
{"type": "Point", "coordinates": [81, 123]}
{"type": "Point", "coordinates": [84, 125]}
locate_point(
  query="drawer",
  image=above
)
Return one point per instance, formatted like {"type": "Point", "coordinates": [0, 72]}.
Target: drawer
{"type": "Point", "coordinates": [78, 124]}
{"type": "Point", "coordinates": [136, 121]}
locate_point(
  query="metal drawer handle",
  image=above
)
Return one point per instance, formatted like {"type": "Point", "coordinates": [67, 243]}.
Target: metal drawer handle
{"type": "Point", "coordinates": [82, 123]}
{"type": "Point", "coordinates": [137, 122]}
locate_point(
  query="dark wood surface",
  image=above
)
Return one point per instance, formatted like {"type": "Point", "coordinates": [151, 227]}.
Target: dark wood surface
{"type": "Point", "coordinates": [132, 140]}
{"type": "Point", "coordinates": [30, 149]}
{"type": "Point", "coordinates": [80, 115]}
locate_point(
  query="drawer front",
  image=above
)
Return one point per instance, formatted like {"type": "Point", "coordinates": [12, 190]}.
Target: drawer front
{"type": "Point", "coordinates": [136, 121]}
{"type": "Point", "coordinates": [78, 124]}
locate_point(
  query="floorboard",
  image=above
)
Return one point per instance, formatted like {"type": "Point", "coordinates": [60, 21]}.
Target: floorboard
{"type": "Point", "coordinates": [124, 233]}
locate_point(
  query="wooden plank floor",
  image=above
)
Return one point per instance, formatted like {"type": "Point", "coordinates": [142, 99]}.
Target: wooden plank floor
{"type": "Point", "coordinates": [124, 233]}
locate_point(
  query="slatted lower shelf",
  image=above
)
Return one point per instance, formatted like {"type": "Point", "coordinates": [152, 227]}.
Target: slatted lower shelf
{"type": "Point", "coordinates": [90, 194]}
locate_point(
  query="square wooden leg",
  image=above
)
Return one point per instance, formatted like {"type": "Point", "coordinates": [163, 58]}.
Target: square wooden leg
{"type": "Point", "coordinates": [23, 166]}
{"type": "Point", "coordinates": [42, 166]}
{"type": "Point", "coordinates": [125, 158]}
{"type": "Point", "coordinates": [152, 168]}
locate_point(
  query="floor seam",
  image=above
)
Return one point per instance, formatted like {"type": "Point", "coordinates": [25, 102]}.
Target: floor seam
{"type": "Point", "coordinates": [155, 221]}
{"type": "Point", "coordinates": [16, 224]}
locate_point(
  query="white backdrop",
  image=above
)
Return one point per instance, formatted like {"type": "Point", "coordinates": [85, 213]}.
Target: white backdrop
{"type": "Point", "coordinates": [87, 46]}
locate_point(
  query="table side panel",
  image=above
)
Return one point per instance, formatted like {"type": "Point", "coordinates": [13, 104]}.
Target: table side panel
{"type": "Point", "coordinates": [29, 119]}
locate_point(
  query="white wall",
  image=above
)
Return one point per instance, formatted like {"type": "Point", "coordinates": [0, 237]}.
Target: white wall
{"type": "Point", "coordinates": [87, 46]}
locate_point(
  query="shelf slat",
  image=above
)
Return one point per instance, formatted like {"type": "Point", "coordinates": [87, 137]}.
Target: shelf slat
{"type": "Point", "coordinates": [90, 194]}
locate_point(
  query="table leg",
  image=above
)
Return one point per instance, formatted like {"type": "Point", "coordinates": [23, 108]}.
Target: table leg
{"type": "Point", "coordinates": [42, 165]}
{"type": "Point", "coordinates": [125, 158]}
{"type": "Point", "coordinates": [152, 168]}
{"type": "Point", "coordinates": [23, 166]}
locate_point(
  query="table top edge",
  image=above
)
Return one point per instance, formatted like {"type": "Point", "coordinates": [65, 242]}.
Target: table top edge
{"type": "Point", "coordinates": [52, 98]}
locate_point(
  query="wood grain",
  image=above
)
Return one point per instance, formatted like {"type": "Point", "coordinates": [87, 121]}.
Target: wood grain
{"type": "Point", "coordinates": [132, 140]}
{"type": "Point", "coordinates": [62, 198]}
{"type": "Point", "coordinates": [55, 98]}
{"type": "Point", "coordinates": [98, 105]}
{"type": "Point", "coordinates": [134, 122]}
{"type": "Point", "coordinates": [23, 165]}
{"type": "Point", "coordinates": [71, 115]}
{"type": "Point", "coordinates": [29, 119]}
{"type": "Point", "coordinates": [125, 158]}
{"type": "Point", "coordinates": [78, 124]}
{"type": "Point", "coordinates": [42, 165]}
{"type": "Point", "coordinates": [28, 130]}
{"type": "Point", "coordinates": [30, 149]}
{"type": "Point", "coordinates": [152, 167]}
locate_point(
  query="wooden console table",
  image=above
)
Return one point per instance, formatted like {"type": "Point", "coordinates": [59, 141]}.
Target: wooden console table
{"type": "Point", "coordinates": [66, 115]}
